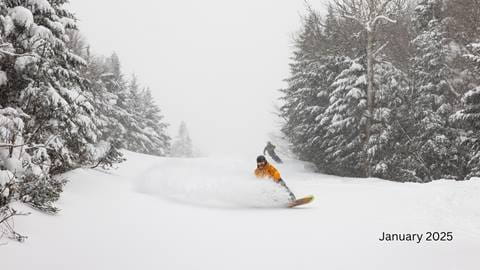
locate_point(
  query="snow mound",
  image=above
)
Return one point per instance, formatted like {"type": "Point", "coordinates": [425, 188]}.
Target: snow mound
{"type": "Point", "coordinates": [21, 17]}
{"type": "Point", "coordinates": [41, 5]}
{"type": "Point", "coordinates": [5, 177]}
{"type": "Point", "coordinates": [23, 61]}
{"type": "Point", "coordinates": [203, 182]}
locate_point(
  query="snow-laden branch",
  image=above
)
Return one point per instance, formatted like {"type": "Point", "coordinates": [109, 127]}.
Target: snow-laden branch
{"type": "Point", "coordinates": [457, 95]}
{"type": "Point", "coordinates": [25, 144]}
{"type": "Point", "coordinates": [452, 89]}
{"type": "Point", "coordinates": [16, 54]}
{"type": "Point", "coordinates": [418, 156]}
{"type": "Point", "coordinates": [369, 25]}
{"type": "Point", "coordinates": [383, 17]}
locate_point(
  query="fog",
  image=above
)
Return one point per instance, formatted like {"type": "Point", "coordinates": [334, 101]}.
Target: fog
{"type": "Point", "coordinates": [215, 64]}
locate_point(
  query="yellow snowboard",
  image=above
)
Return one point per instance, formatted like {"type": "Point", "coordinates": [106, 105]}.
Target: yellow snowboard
{"type": "Point", "coordinates": [301, 201]}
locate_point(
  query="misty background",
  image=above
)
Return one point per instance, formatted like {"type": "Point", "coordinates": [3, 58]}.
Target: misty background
{"type": "Point", "coordinates": [217, 65]}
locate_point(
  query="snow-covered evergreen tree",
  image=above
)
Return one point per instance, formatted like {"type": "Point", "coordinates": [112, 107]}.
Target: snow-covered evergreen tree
{"type": "Point", "coordinates": [325, 102]}
{"type": "Point", "coordinates": [307, 93]}
{"type": "Point", "coordinates": [60, 107]}
{"type": "Point", "coordinates": [25, 175]}
{"type": "Point", "coordinates": [45, 81]}
{"type": "Point", "coordinates": [59, 111]}
{"type": "Point", "coordinates": [154, 125]}
{"type": "Point", "coordinates": [308, 118]}
{"type": "Point", "coordinates": [106, 151]}
{"type": "Point", "coordinates": [386, 150]}
{"type": "Point", "coordinates": [369, 14]}
{"type": "Point", "coordinates": [470, 115]}
{"type": "Point", "coordinates": [345, 120]}
{"type": "Point", "coordinates": [41, 92]}
{"type": "Point", "coordinates": [436, 96]}
{"type": "Point", "coordinates": [182, 146]}
{"type": "Point", "coordinates": [142, 127]}
{"type": "Point", "coordinates": [417, 86]}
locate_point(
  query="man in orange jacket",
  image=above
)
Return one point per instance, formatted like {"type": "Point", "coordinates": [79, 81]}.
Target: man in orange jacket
{"type": "Point", "coordinates": [266, 170]}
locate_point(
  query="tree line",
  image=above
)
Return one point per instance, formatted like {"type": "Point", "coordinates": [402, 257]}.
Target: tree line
{"type": "Point", "coordinates": [388, 89]}
{"type": "Point", "coordinates": [61, 107]}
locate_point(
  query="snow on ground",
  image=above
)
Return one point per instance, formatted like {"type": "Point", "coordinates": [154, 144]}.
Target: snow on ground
{"type": "Point", "coordinates": [209, 213]}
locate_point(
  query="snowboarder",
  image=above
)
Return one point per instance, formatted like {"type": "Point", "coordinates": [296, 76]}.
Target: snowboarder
{"type": "Point", "coordinates": [270, 149]}
{"type": "Point", "coordinates": [266, 170]}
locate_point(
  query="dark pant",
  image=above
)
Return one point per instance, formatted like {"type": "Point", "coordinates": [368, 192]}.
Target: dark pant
{"type": "Point", "coordinates": [292, 196]}
{"type": "Point", "coordinates": [274, 156]}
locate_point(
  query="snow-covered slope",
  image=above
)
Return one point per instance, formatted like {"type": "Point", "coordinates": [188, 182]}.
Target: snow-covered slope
{"type": "Point", "coordinates": [209, 213]}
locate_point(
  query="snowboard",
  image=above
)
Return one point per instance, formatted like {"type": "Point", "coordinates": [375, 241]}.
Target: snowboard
{"type": "Point", "coordinates": [301, 201]}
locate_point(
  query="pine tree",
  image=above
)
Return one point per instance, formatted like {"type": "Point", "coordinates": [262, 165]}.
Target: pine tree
{"type": "Point", "coordinates": [470, 115]}
{"type": "Point", "coordinates": [305, 96]}
{"type": "Point", "coordinates": [435, 98]}
{"type": "Point", "coordinates": [60, 107]}
{"type": "Point", "coordinates": [141, 123]}
{"type": "Point", "coordinates": [41, 88]}
{"type": "Point", "coordinates": [182, 147]}
{"type": "Point", "coordinates": [386, 148]}
{"type": "Point", "coordinates": [155, 127]}
{"type": "Point", "coordinates": [369, 14]}
{"type": "Point", "coordinates": [418, 69]}
{"type": "Point", "coordinates": [46, 83]}
{"type": "Point", "coordinates": [106, 150]}
{"type": "Point", "coordinates": [345, 120]}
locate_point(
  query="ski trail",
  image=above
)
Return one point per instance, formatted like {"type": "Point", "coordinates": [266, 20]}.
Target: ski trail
{"type": "Point", "coordinates": [229, 183]}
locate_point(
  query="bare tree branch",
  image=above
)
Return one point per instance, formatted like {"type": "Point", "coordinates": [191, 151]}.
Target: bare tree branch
{"type": "Point", "coordinates": [381, 48]}
{"type": "Point", "coordinates": [382, 17]}
{"type": "Point", "coordinates": [356, 19]}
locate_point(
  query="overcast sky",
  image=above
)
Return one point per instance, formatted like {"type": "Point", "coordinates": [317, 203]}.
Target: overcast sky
{"type": "Point", "coordinates": [215, 64]}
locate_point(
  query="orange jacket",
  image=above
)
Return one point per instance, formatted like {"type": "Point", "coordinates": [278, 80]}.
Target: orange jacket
{"type": "Point", "coordinates": [268, 171]}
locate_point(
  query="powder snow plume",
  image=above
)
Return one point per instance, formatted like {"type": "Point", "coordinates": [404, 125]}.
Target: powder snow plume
{"type": "Point", "coordinates": [222, 183]}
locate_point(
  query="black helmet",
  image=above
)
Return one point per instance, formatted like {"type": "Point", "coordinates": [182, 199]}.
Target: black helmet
{"type": "Point", "coordinates": [261, 159]}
